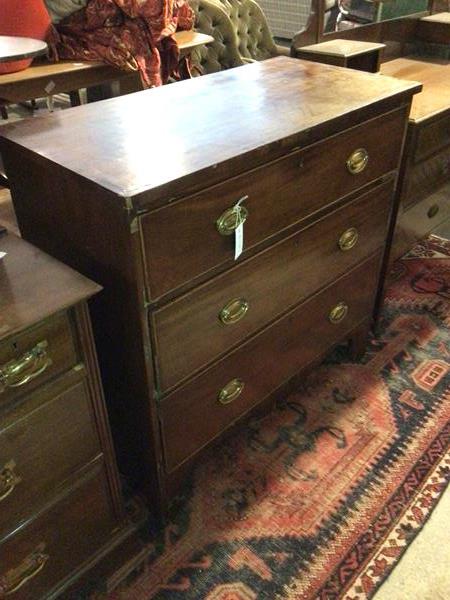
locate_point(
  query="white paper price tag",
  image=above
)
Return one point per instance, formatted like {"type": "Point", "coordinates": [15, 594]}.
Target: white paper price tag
{"type": "Point", "coordinates": [238, 241]}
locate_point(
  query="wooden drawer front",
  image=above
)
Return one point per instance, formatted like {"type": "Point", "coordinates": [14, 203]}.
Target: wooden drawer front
{"type": "Point", "coordinates": [432, 137]}
{"type": "Point", "coordinates": [46, 551]}
{"type": "Point", "coordinates": [417, 221]}
{"type": "Point", "coordinates": [426, 177]}
{"type": "Point", "coordinates": [193, 416]}
{"type": "Point", "coordinates": [31, 358]}
{"type": "Point", "coordinates": [181, 241]}
{"type": "Point", "coordinates": [39, 451]}
{"type": "Point", "coordinates": [189, 332]}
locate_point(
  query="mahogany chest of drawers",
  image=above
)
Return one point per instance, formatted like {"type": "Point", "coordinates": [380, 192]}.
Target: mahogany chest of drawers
{"type": "Point", "coordinates": [60, 506]}
{"type": "Point", "coordinates": [424, 184]}
{"type": "Point", "coordinates": [149, 195]}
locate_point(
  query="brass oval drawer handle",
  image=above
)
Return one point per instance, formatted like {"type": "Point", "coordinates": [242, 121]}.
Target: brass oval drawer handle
{"type": "Point", "coordinates": [231, 391]}
{"type": "Point", "coordinates": [357, 161]}
{"type": "Point", "coordinates": [19, 372]}
{"type": "Point", "coordinates": [433, 211]}
{"type": "Point", "coordinates": [8, 480]}
{"type": "Point", "coordinates": [338, 313]}
{"type": "Point", "coordinates": [29, 568]}
{"type": "Point", "coordinates": [230, 220]}
{"type": "Point", "coordinates": [348, 239]}
{"type": "Point", "coordinates": [233, 311]}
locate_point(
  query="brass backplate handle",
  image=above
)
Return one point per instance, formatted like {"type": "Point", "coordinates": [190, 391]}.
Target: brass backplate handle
{"type": "Point", "coordinates": [433, 211]}
{"type": "Point", "coordinates": [230, 219]}
{"type": "Point", "coordinates": [8, 480]}
{"type": "Point", "coordinates": [338, 313]}
{"type": "Point", "coordinates": [231, 391]}
{"type": "Point", "coordinates": [357, 161]}
{"type": "Point", "coordinates": [22, 370]}
{"type": "Point", "coordinates": [29, 568]}
{"type": "Point", "coordinates": [348, 239]}
{"type": "Point", "coordinates": [233, 311]}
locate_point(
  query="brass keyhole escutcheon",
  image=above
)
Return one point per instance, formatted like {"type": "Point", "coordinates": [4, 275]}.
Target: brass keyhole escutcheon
{"type": "Point", "coordinates": [233, 311]}
{"type": "Point", "coordinates": [338, 313]}
{"type": "Point", "coordinates": [348, 239]}
{"type": "Point", "coordinates": [231, 391]}
{"type": "Point", "coordinates": [433, 211]}
{"type": "Point", "coordinates": [230, 219]}
{"type": "Point", "coordinates": [357, 161]}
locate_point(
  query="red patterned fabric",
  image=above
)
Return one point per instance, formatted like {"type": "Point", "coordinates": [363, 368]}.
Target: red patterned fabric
{"type": "Point", "coordinates": [133, 35]}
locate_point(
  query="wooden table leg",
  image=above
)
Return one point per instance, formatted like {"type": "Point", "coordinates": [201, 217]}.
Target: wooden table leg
{"type": "Point", "coordinates": [3, 109]}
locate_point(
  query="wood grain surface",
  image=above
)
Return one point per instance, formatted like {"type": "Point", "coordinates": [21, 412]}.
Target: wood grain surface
{"type": "Point", "coordinates": [433, 73]}
{"type": "Point", "coordinates": [141, 142]}
{"type": "Point", "coordinates": [34, 285]}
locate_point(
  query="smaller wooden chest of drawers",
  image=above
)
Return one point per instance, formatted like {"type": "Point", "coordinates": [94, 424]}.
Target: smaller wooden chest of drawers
{"type": "Point", "coordinates": [60, 504]}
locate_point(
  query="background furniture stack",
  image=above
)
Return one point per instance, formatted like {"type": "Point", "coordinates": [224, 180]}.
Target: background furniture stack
{"type": "Point", "coordinates": [61, 507]}
{"type": "Point", "coordinates": [191, 334]}
{"type": "Point", "coordinates": [417, 49]}
{"type": "Point", "coordinates": [425, 183]}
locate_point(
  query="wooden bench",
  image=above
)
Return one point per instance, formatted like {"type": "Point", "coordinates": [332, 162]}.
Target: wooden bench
{"type": "Point", "coordinates": [44, 79]}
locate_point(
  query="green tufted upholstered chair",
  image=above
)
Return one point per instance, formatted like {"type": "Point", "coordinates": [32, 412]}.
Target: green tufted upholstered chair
{"type": "Point", "coordinates": [223, 52]}
{"type": "Point", "coordinates": [255, 41]}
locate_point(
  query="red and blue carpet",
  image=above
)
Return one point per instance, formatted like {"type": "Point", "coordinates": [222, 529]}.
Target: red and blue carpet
{"type": "Point", "coordinates": [320, 499]}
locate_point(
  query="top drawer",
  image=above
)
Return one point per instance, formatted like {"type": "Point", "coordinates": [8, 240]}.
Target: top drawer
{"type": "Point", "coordinates": [432, 137]}
{"type": "Point", "coordinates": [34, 356]}
{"type": "Point", "coordinates": [182, 241]}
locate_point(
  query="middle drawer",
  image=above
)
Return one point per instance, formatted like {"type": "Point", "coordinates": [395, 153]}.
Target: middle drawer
{"type": "Point", "coordinates": [41, 449]}
{"type": "Point", "coordinates": [203, 324]}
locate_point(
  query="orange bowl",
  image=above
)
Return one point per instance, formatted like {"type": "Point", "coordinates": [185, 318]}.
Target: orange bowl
{"type": "Point", "coordinates": [23, 18]}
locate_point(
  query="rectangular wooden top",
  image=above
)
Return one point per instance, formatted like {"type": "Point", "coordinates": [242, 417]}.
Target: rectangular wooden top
{"type": "Point", "coordinates": [342, 47]}
{"type": "Point", "coordinates": [433, 73]}
{"type": "Point", "coordinates": [34, 286]}
{"type": "Point", "coordinates": [443, 17]}
{"type": "Point", "coordinates": [142, 142]}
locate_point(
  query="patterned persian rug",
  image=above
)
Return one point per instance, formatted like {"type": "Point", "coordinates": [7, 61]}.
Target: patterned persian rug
{"type": "Point", "coordinates": [320, 498]}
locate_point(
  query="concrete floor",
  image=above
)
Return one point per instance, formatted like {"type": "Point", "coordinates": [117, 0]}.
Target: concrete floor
{"type": "Point", "coordinates": [423, 572]}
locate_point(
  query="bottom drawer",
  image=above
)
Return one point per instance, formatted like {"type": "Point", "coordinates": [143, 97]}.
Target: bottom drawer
{"type": "Point", "coordinates": [202, 409]}
{"type": "Point", "coordinates": [39, 556]}
{"type": "Point", "coordinates": [426, 177]}
{"type": "Point", "coordinates": [417, 221]}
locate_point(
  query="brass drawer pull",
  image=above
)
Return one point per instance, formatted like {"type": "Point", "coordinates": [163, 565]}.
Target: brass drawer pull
{"type": "Point", "coordinates": [231, 391]}
{"type": "Point", "coordinates": [230, 220]}
{"type": "Point", "coordinates": [19, 372]}
{"type": "Point", "coordinates": [29, 568]}
{"type": "Point", "coordinates": [338, 313]}
{"type": "Point", "coordinates": [234, 311]}
{"type": "Point", "coordinates": [348, 239]}
{"type": "Point", "coordinates": [433, 211]}
{"type": "Point", "coordinates": [357, 161]}
{"type": "Point", "coordinates": [8, 480]}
